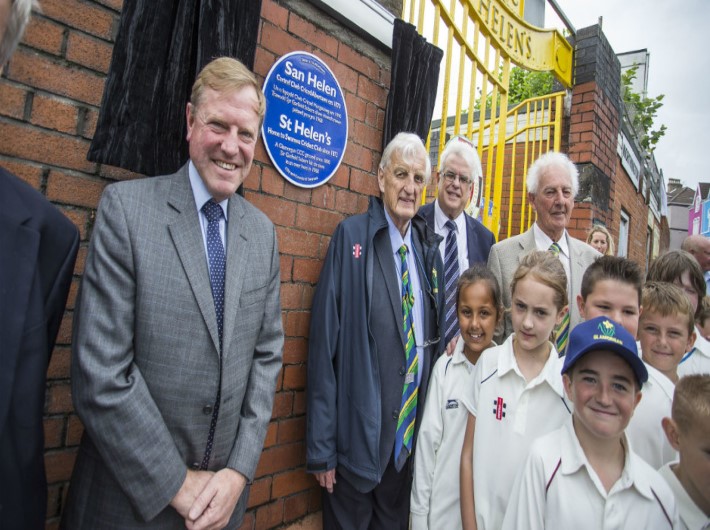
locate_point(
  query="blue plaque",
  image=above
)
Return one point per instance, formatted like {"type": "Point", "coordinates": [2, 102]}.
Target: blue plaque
{"type": "Point", "coordinates": [305, 128]}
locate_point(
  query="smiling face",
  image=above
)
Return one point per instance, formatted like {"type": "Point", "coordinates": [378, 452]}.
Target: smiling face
{"type": "Point", "coordinates": [222, 130]}
{"type": "Point", "coordinates": [478, 317]}
{"type": "Point", "coordinates": [534, 315]}
{"type": "Point", "coordinates": [453, 194]}
{"type": "Point", "coordinates": [602, 387]}
{"type": "Point", "coordinates": [664, 340]}
{"type": "Point", "coordinates": [599, 242]}
{"type": "Point", "coordinates": [616, 300]}
{"type": "Point", "coordinates": [401, 183]}
{"type": "Point", "coordinates": [553, 201]}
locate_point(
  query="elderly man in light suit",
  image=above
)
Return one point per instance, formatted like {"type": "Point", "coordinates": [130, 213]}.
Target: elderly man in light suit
{"type": "Point", "coordinates": [177, 336]}
{"type": "Point", "coordinates": [552, 185]}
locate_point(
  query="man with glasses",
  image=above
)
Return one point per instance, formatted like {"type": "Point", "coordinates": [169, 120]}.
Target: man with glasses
{"type": "Point", "coordinates": [465, 240]}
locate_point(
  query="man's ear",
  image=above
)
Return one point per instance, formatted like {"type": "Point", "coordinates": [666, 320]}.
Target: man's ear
{"type": "Point", "coordinates": [381, 179]}
{"type": "Point", "coordinates": [670, 427]}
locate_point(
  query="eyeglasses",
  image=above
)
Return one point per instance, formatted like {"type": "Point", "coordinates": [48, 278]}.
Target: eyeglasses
{"type": "Point", "coordinates": [450, 176]}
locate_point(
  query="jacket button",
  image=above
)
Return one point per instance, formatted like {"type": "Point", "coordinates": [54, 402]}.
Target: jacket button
{"type": "Point", "coordinates": [395, 414]}
{"type": "Point", "coordinates": [207, 409]}
{"type": "Point", "coordinates": [195, 466]}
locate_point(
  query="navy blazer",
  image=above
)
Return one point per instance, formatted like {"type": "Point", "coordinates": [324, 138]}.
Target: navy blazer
{"type": "Point", "coordinates": [479, 238]}
{"type": "Point", "coordinates": [39, 247]}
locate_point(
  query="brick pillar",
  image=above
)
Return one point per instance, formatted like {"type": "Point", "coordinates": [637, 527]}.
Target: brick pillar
{"type": "Point", "coordinates": [594, 128]}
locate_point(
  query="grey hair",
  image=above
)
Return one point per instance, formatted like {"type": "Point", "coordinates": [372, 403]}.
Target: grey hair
{"type": "Point", "coordinates": [409, 146]}
{"type": "Point", "coordinates": [467, 152]}
{"type": "Point", "coordinates": [17, 21]}
{"type": "Point", "coordinates": [547, 161]}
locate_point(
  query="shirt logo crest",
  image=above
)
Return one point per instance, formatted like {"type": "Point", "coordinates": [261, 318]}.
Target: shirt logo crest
{"type": "Point", "coordinates": [499, 407]}
{"type": "Point", "coordinates": [357, 250]}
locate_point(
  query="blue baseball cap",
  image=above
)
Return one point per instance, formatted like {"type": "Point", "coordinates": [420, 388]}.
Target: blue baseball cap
{"type": "Point", "coordinates": [602, 333]}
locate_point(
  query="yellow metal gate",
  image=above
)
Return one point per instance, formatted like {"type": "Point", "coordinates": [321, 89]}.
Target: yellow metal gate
{"type": "Point", "coordinates": [480, 39]}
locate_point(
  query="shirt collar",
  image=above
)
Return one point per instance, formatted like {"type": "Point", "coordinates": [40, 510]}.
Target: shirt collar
{"type": "Point", "coordinates": [199, 190]}
{"type": "Point", "coordinates": [549, 374]}
{"type": "Point", "coordinates": [459, 357]}
{"type": "Point", "coordinates": [543, 241]}
{"type": "Point", "coordinates": [396, 238]}
{"type": "Point", "coordinates": [573, 458]}
{"type": "Point", "coordinates": [440, 219]}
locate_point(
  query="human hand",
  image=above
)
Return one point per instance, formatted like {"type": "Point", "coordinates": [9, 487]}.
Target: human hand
{"type": "Point", "coordinates": [194, 483]}
{"type": "Point", "coordinates": [326, 479]}
{"type": "Point", "coordinates": [451, 346]}
{"type": "Point", "coordinates": [213, 507]}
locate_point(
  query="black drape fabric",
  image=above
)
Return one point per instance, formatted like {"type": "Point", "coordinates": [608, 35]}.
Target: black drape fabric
{"type": "Point", "coordinates": [160, 48]}
{"type": "Point", "coordinates": [415, 75]}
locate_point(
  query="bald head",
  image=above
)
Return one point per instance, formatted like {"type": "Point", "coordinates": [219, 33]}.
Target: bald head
{"type": "Point", "coordinates": [699, 247]}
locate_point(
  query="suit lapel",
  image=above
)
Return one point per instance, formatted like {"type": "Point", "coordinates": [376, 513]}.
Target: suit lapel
{"type": "Point", "coordinates": [18, 261]}
{"type": "Point", "coordinates": [187, 238]}
{"type": "Point", "coordinates": [237, 252]}
{"type": "Point", "coordinates": [383, 250]}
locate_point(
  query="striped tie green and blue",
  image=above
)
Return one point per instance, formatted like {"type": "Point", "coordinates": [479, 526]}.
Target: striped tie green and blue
{"type": "Point", "coordinates": [562, 331]}
{"type": "Point", "coordinates": [410, 391]}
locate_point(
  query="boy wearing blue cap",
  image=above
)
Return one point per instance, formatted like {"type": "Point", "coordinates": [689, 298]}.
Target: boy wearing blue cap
{"type": "Point", "coordinates": [585, 475]}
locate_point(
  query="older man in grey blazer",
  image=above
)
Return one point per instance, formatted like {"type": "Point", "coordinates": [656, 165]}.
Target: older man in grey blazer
{"type": "Point", "coordinates": [177, 334]}
{"type": "Point", "coordinates": [552, 185]}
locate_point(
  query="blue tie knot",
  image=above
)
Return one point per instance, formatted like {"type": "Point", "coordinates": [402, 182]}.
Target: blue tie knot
{"type": "Point", "coordinates": [212, 211]}
{"type": "Point", "coordinates": [403, 252]}
{"type": "Point", "coordinates": [451, 226]}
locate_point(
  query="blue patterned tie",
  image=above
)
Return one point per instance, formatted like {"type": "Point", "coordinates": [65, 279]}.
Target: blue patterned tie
{"type": "Point", "coordinates": [410, 391]}
{"type": "Point", "coordinates": [562, 331]}
{"type": "Point", "coordinates": [217, 264]}
{"type": "Point", "coordinates": [451, 276]}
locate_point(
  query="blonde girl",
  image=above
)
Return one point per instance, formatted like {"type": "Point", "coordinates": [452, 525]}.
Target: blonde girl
{"type": "Point", "coordinates": [517, 392]}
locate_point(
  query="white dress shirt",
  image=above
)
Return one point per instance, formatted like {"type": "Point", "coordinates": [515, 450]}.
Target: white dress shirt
{"type": "Point", "coordinates": [440, 219]}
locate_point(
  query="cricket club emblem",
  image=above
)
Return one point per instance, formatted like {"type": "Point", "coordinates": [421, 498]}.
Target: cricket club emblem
{"type": "Point", "coordinates": [499, 407]}
{"type": "Point", "coordinates": [357, 250]}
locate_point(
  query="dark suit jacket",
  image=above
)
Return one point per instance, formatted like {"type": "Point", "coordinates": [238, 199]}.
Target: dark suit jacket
{"type": "Point", "coordinates": [356, 347]}
{"type": "Point", "coordinates": [39, 247]}
{"type": "Point", "coordinates": [478, 237]}
{"type": "Point", "coordinates": [145, 353]}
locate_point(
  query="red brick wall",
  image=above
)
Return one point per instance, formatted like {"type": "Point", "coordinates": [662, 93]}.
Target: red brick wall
{"type": "Point", "coordinates": [49, 97]}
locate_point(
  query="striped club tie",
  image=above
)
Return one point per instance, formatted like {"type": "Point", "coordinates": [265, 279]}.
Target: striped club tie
{"type": "Point", "coordinates": [408, 409]}
{"type": "Point", "coordinates": [451, 276]}
{"type": "Point", "coordinates": [562, 331]}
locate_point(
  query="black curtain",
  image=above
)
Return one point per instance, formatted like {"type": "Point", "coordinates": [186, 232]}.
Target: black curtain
{"type": "Point", "coordinates": [415, 75]}
{"type": "Point", "coordinates": [160, 48]}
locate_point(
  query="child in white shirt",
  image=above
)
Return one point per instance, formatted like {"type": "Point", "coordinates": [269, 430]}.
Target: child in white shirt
{"type": "Point", "coordinates": [517, 392]}
{"type": "Point", "coordinates": [435, 490]}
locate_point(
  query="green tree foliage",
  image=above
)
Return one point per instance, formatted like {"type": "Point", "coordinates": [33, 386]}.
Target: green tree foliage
{"type": "Point", "coordinates": [524, 84]}
{"type": "Point", "coordinates": [644, 110]}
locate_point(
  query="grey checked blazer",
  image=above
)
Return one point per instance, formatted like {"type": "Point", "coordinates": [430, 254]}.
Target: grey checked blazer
{"type": "Point", "coordinates": [505, 257]}
{"type": "Point", "coordinates": [145, 359]}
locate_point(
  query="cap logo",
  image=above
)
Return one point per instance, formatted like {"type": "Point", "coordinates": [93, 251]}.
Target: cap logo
{"type": "Point", "coordinates": [607, 331]}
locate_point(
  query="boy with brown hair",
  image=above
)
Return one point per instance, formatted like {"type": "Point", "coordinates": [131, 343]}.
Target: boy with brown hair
{"type": "Point", "coordinates": [611, 287]}
{"type": "Point", "coordinates": [666, 332]}
{"type": "Point", "coordinates": [688, 431]}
